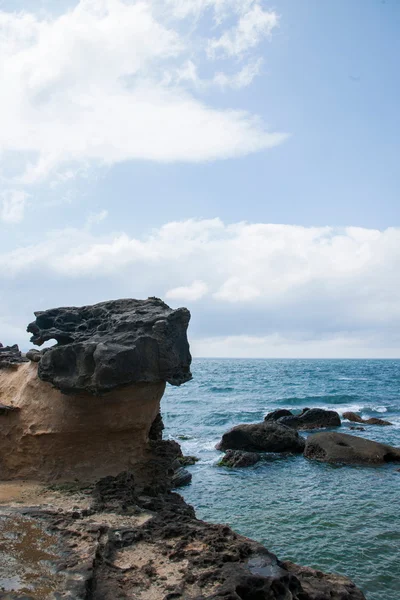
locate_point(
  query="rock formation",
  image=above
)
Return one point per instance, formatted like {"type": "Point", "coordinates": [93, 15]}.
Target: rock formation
{"type": "Point", "coordinates": [239, 458]}
{"type": "Point", "coordinates": [312, 418]}
{"type": "Point", "coordinates": [344, 448]}
{"type": "Point", "coordinates": [267, 436]}
{"type": "Point", "coordinates": [10, 356]}
{"type": "Point", "coordinates": [124, 351]}
{"type": "Point", "coordinates": [111, 541]}
{"type": "Point", "coordinates": [112, 344]}
{"type": "Point", "coordinates": [351, 416]}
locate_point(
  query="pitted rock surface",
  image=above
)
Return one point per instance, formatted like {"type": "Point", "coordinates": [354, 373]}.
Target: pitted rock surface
{"type": "Point", "coordinates": [113, 344]}
{"type": "Point", "coordinates": [10, 356]}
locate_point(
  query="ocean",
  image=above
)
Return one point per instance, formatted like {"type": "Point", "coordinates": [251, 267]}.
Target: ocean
{"type": "Point", "coordinates": [335, 518]}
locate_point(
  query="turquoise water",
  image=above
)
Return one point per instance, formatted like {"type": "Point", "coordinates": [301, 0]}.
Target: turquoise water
{"type": "Point", "coordinates": [341, 519]}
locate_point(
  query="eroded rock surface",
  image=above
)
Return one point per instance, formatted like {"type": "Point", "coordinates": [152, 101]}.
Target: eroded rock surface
{"type": "Point", "coordinates": [112, 344]}
{"type": "Point", "coordinates": [10, 356]}
{"type": "Point", "coordinates": [267, 436]}
{"type": "Point", "coordinates": [116, 542]}
{"type": "Point", "coordinates": [344, 448]}
{"type": "Point", "coordinates": [351, 416]}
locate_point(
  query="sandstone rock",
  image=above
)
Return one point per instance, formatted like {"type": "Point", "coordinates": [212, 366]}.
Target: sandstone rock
{"type": "Point", "coordinates": [277, 414]}
{"type": "Point", "coordinates": [239, 458]}
{"type": "Point", "coordinates": [50, 436]}
{"type": "Point", "coordinates": [262, 437]}
{"type": "Point", "coordinates": [10, 356]}
{"type": "Point", "coordinates": [113, 344]}
{"type": "Point", "coordinates": [351, 416]}
{"type": "Point", "coordinates": [344, 448]}
{"type": "Point", "coordinates": [312, 418]}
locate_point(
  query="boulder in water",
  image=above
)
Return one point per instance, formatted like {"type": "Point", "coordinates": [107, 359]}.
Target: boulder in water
{"type": "Point", "coordinates": [312, 418]}
{"type": "Point", "coordinates": [344, 448]}
{"type": "Point", "coordinates": [239, 459]}
{"type": "Point", "coordinates": [354, 418]}
{"type": "Point", "coordinates": [267, 436]}
{"type": "Point", "coordinates": [277, 414]}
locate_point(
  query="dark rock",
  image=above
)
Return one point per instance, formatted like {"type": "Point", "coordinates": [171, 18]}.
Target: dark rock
{"type": "Point", "coordinates": [34, 355]}
{"type": "Point", "coordinates": [180, 478]}
{"type": "Point", "coordinates": [344, 448]}
{"type": "Point", "coordinates": [323, 586]}
{"type": "Point", "coordinates": [156, 429]}
{"type": "Point", "coordinates": [239, 458]}
{"type": "Point", "coordinates": [267, 436]}
{"type": "Point", "coordinates": [188, 461]}
{"type": "Point", "coordinates": [351, 416]}
{"type": "Point", "coordinates": [312, 418]}
{"type": "Point", "coordinates": [115, 493]}
{"type": "Point", "coordinates": [113, 344]}
{"type": "Point", "coordinates": [357, 428]}
{"type": "Point", "coordinates": [5, 410]}
{"type": "Point", "coordinates": [10, 356]}
{"type": "Point", "coordinates": [277, 414]}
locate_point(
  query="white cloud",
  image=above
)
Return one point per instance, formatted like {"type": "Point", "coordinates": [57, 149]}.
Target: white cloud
{"type": "Point", "coordinates": [256, 289]}
{"type": "Point", "coordinates": [189, 293]}
{"type": "Point", "coordinates": [242, 78]}
{"type": "Point", "coordinates": [254, 25]}
{"type": "Point", "coordinates": [12, 205]}
{"type": "Point", "coordinates": [92, 87]}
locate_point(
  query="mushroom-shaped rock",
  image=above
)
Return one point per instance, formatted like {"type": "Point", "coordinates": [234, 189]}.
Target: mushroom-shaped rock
{"type": "Point", "coordinates": [113, 344]}
{"type": "Point", "coordinates": [354, 418]}
{"type": "Point", "coordinates": [312, 418]}
{"type": "Point", "coordinates": [239, 458]}
{"type": "Point", "coordinates": [262, 437]}
{"type": "Point", "coordinates": [343, 448]}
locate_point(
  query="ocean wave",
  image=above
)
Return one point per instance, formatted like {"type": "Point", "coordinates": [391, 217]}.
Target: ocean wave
{"type": "Point", "coordinates": [311, 401]}
{"type": "Point", "coordinates": [221, 390]}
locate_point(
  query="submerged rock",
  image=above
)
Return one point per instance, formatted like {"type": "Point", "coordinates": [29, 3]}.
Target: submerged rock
{"type": "Point", "coordinates": [262, 437]}
{"type": "Point", "coordinates": [113, 344]}
{"type": "Point", "coordinates": [239, 459]}
{"type": "Point", "coordinates": [351, 416]}
{"type": "Point", "coordinates": [312, 418]}
{"type": "Point", "coordinates": [345, 448]}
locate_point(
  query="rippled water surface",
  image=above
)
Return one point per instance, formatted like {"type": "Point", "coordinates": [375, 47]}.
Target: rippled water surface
{"type": "Point", "coordinates": [336, 518]}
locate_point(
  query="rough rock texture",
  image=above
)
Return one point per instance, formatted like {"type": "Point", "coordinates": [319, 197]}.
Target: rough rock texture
{"type": "Point", "coordinates": [312, 418]}
{"type": "Point", "coordinates": [112, 344]}
{"type": "Point", "coordinates": [262, 437]}
{"type": "Point", "coordinates": [50, 436]}
{"type": "Point", "coordinates": [344, 448]}
{"type": "Point", "coordinates": [351, 416]}
{"type": "Point", "coordinates": [238, 458]}
{"type": "Point", "coordinates": [115, 543]}
{"type": "Point", "coordinates": [10, 356]}
{"type": "Point", "coordinates": [277, 414]}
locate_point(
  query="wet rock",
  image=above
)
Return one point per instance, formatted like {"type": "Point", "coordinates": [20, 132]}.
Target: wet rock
{"type": "Point", "coordinates": [277, 414]}
{"type": "Point", "coordinates": [345, 448]}
{"type": "Point", "coordinates": [351, 416]}
{"type": "Point", "coordinates": [267, 436]}
{"type": "Point", "coordinates": [357, 428]}
{"type": "Point", "coordinates": [323, 586]}
{"type": "Point", "coordinates": [239, 458]}
{"type": "Point", "coordinates": [188, 461]}
{"type": "Point", "coordinates": [312, 418]}
{"type": "Point", "coordinates": [180, 478]}
{"type": "Point", "coordinates": [10, 356]}
{"type": "Point", "coordinates": [113, 344]}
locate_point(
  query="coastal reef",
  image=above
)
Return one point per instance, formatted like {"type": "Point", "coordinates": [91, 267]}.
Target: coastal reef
{"type": "Point", "coordinates": [87, 509]}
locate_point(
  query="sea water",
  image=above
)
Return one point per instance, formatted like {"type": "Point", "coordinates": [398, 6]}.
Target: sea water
{"type": "Point", "coordinates": [335, 518]}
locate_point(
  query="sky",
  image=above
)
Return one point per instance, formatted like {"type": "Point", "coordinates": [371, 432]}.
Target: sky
{"type": "Point", "coordinates": [238, 157]}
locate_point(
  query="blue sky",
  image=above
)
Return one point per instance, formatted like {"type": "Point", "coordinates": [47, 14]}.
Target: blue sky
{"type": "Point", "coordinates": [152, 148]}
